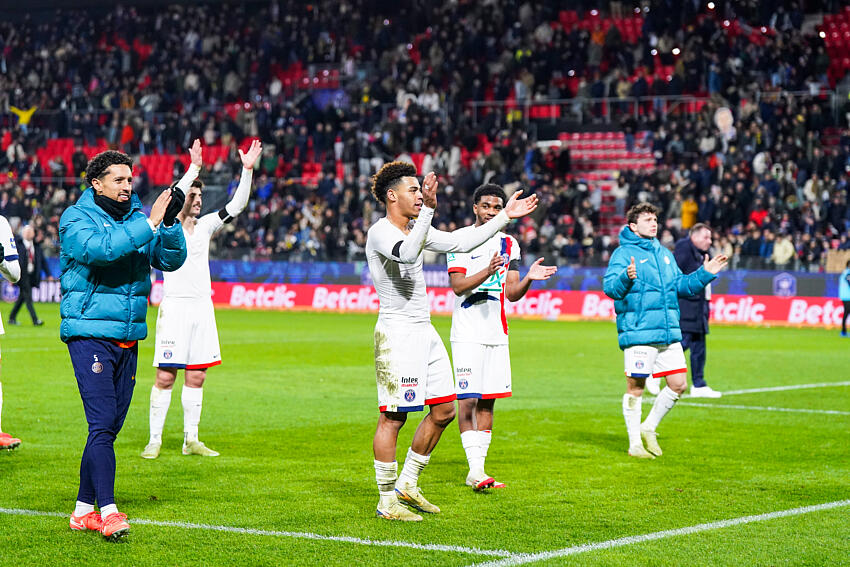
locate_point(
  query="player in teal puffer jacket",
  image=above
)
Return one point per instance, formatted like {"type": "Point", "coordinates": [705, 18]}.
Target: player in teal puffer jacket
{"type": "Point", "coordinates": [107, 249]}
{"type": "Point", "coordinates": [644, 281]}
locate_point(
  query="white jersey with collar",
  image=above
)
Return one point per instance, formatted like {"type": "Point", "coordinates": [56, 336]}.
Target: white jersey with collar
{"type": "Point", "coordinates": [192, 280]}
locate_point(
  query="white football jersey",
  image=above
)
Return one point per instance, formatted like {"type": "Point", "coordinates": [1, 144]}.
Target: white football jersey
{"type": "Point", "coordinates": [10, 252]}
{"type": "Point", "coordinates": [479, 314]}
{"type": "Point", "coordinates": [192, 280]}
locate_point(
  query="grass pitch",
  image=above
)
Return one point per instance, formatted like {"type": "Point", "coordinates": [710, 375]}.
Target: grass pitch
{"type": "Point", "coordinates": [293, 409]}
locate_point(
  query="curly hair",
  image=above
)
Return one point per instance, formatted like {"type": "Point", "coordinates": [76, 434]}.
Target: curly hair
{"type": "Point", "coordinates": [489, 189]}
{"type": "Point", "coordinates": [98, 165]}
{"type": "Point", "coordinates": [637, 210]}
{"type": "Point", "coordinates": [388, 176]}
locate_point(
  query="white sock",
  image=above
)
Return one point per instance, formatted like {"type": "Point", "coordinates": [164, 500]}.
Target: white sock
{"type": "Point", "coordinates": [160, 401]}
{"type": "Point", "coordinates": [385, 476]}
{"type": "Point", "coordinates": [631, 413]}
{"type": "Point", "coordinates": [1, 407]}
{"type": "Point", "coordinates": [472, 446]}
{"type": "Point", "coordinates": [484, 438]}
{"type": "Point", "coordinates": [108, 510]}
{"type": "Point", "coordinates": [413, 465]}
{"type": "Point", "coordinates": [193, 399]}
{"type": "Point", "coordinates": [82, 508]}
{"type": "Point", "coordinates": [664, 402]}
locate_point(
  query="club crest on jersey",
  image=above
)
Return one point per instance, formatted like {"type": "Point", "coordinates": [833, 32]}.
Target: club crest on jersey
{"type": "Point", "coordinates": [506, 259]}
{"type": "Point", "coordinates": [410, 395]}
{"type": "Point", "coordinates": [166, 355]}
{"type": "Point", "coordinates": [462, 384]}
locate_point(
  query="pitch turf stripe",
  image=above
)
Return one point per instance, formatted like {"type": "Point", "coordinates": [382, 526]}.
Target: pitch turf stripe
{"type": "Point", "coordinates": [784, 388]}
{"type": "Point", "coordinates": [298, 535]}
{"type": "Point", "coordinates": [764, 408]}
{"type": "Point", "coordinates": [524, 558]}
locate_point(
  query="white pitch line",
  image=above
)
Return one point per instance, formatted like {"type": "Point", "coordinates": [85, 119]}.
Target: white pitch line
{"type": "Point", "coordinates": [298, 535]}
{"type": "Point", "coordinates": [764, 408]}
{"type": "Point", "coordinates": [784, 388]}
{"type": "Point", "coordinates": [523, 558]}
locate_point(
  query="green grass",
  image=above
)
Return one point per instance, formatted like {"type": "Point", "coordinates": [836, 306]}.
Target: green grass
{"type": "Point", "coordinates": [293, 409]}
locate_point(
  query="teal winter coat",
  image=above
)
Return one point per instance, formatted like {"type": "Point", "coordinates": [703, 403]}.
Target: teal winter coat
{"type": "Point", "coordinates": [648, 307]}
{"type": "Point", "coordinates": [106, 267]}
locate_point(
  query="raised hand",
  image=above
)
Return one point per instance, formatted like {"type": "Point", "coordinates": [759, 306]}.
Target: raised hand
{"type": "Point", "coordinates": [429, 190]}
{"type": "Point", "coordinates": [715, 264]}
{"type": "Point", "coordinates": [196, 153]}
{"type": "Point", "coordinates": [159, 206]}
{"type": "Point", "coordinates": [495, 263]}
{"type": "Point", "coordinates": [249, 158]}
{"type": "Point", "coordinates": [516, 207]}
{"type": "Point", "coordinates": [539, 272]}
{"type": "Point", "coordinates": [632, 270]}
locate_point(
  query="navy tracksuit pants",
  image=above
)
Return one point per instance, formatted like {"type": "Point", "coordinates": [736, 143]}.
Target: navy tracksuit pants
{"type": "Point", "coordinates": [696, 343]}
{"type": "Point", "coordinates": [106, 375]}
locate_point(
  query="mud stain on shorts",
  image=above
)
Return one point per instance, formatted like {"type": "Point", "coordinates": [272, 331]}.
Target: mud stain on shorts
{"type": "Point", "coordinates": [383, 367]}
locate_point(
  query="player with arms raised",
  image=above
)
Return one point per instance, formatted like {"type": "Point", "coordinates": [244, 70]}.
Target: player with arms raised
{"type": "Point", "coordinates": [186, 334]}
{"type": "Point", "coordinates": [411, 363]}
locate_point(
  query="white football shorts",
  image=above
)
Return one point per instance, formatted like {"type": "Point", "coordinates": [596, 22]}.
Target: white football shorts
{"type": "Point", "coordinates": [482, 371]}
{"type": "Point", "coordinates": [412, 367]}
{"type": "Point", "coordinates": [186, 335]}
{"type": "Point", "coordinates": [643, 361]}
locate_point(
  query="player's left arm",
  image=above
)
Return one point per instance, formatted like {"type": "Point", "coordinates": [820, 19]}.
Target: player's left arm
{"type": "Point", "coordinates": [691, 284]}
{"type": "Point", "coordinates": [466, 240]}
{"type": "Point", "coordinates": [516, 288]}
{"type": "Point", "coordinates": [243, 191]}
{"type": "Point", "coordinates": [462, 283]}
{"type": "Point", "coordinates": [9, 266]}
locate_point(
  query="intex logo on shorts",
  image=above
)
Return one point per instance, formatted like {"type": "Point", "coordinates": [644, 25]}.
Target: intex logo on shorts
{"type": "Point", "coordinates": [410, 395]}
{"type": "Point", "coordinates": [166, 355]}
{"type": "Point", "coordinates": [462, 384]}
{"type": "Point", "coordinates": [409, 381]}
{"type": "Point", "coordinates": [167, 343]}
{"type": "Point", "coordinates": [463, 371]}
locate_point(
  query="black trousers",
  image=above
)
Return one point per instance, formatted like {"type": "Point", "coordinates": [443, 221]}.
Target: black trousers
{"type": "Point", "coordinates": [24, 296]}
{"type": "Point", "coordinates": [696, 343]}
{"type": "Point", "coordinates": [846, 314]}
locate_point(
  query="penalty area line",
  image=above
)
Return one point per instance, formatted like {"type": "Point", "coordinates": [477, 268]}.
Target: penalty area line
{"type": "Point", "coordinates": [764, 408]}
{"type": "Point", "coordinates": [524, 558]}
{"type": "Point", "coordinates": [295, 535]}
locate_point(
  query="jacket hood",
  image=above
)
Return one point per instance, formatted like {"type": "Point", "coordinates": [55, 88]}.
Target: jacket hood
{"type": "Point", "coordinates": [627, 236]}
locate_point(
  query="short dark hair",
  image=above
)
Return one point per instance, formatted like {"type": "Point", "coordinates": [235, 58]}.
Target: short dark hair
{"type": "Point", "coordinates": [489, 189]}
{"type": "Point", "coordinates": [198, 183]}
{"type": "Point", "coordinates": [637, 210]}
{"type": "Point", "coordinates": [388, 176]}
{"type": "Point", "coordinates": [98, 165]}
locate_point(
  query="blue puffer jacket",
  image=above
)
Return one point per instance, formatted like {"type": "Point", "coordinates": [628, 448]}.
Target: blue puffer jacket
{"type": "Point", "coordinates": [843, 285]}
{"type": "Point", "coordinates": [648, 307]}
{"type": "Point", "coordinates": [106, 267]}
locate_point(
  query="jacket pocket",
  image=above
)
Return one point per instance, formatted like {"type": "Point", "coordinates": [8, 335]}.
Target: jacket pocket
{"type": "Point", "coordinates": [90, 291]}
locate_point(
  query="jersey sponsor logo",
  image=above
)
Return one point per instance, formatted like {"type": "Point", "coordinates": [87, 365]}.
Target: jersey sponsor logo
{"type": "Point", "coordinates": [409, 381]}
{"type": "Point", "coordinates": [167, 355]}
{"type": "Point", "coordinates": [409, 395]}
{"type": "Point", "coordinates": [463, 384]}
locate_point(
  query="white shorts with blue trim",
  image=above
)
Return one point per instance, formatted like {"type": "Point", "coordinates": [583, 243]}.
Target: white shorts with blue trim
{"type": "Point", "coordinates": [644, 361]}
{"type": "Point", "coordinates": [412, 367]}
{"type": "Point", "coordinates": [482, 371]}
{"type": "Point", "coordinates": [186, 334]}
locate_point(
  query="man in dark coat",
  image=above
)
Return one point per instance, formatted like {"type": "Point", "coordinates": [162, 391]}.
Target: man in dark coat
{"type": "Point", "coordinates": [32, 266]}
{"type": "Point", "coordinates": [690, 253]}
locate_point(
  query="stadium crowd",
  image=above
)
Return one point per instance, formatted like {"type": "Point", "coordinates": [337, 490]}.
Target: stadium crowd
{"type": "Point", "coordinates": [774, 188]}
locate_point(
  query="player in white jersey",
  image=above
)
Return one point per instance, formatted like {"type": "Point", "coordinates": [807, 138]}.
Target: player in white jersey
{"type": "Point", "coordinates": [186, 334]}
{"type": "Point", "coordinates": [11, 270]}
{"type": "Point", "coordinates": [482, 280]}
{"type": "Point", "coordinates": [411, 363]}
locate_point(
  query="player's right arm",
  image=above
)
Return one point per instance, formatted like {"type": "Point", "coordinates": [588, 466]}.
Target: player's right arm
{"type": "Point", "coordinates": [616, 284]}
{"type": "Point", "coordinates": [240, 197]}
{"type": "Point", "coordinates": [194, 168]}
{"type": "Point", "coordinates": [462, 283]}
{"type": "Point", "coordinates": [9, 266]}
